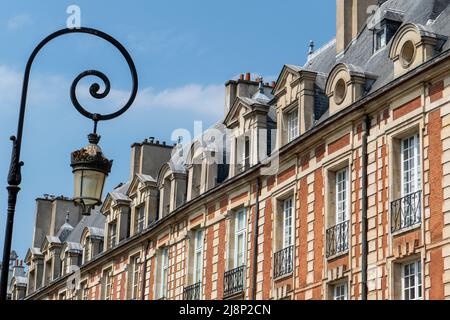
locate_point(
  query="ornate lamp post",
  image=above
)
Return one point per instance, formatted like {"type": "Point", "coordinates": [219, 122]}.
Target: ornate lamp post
{"type": "Point", "coordinates": [90, 167]}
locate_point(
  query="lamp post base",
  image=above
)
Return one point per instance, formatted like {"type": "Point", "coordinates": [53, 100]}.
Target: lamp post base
{"type": "Point", "coordinates": [12, 200]}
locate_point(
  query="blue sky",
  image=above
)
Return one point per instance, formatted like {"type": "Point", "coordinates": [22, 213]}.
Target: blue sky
{"type": "Point", "coordinates": [184, 52]}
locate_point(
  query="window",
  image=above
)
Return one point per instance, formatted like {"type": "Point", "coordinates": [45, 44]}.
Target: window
{"type": "Point", "coordinates": [198, 256]}
{"type": "Point", "coordinates": [84, 291]}
{"type": "Point", "coordinates": [107, 284]}
{"type": "Point", "coordinates": [140, 218]}
{"type": "Point", "coordinates": [292, 125]}
{"type": "Point", "coordinates": [410, 168]}
{"type": "Point", "coordinates": [86, 249]}
{"type": "Point", "coordinates": [380, 39]}
{"type": "Point", "coordinates": [340, 291]}
{"type": "Point", "coordinates": [287, 223]}
{"type": "Point", "coordinates": [240, 238]}
{"type": "Point", "coordinates": [341, 196]}
{"type": "Point", "coordinates": [337, 234]}
{"type": "Point", "coordinates": [164, 272]}
{"type": "Point", "coordinates": [112, 231]}
{"type": "Point", "coordinates": [387, 30]}
{"type": "Point", "coordinates": [134, 277]}
{"type": "Point", "coordinates": [412, 281]}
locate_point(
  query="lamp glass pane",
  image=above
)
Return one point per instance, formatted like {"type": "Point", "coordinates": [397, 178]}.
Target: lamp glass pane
{"type": "Point", "coordinates": [89, 186]}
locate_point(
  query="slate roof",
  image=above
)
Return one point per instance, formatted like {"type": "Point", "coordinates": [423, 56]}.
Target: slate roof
{"type": "Point", "coordinates": [431, 16]}
{"type": "Point", "coordinates": [96, 220]}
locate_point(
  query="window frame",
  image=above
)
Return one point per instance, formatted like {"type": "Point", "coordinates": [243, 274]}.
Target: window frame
{"type": "Point", "coordinates": [292, 125]}
{"type": "Point", "coordinates": [199, 237]}
{"type": "Point", "coordinates": [416, 179]}
{"type": "Point", "coordinates": [164, 272]}
{"type": "Point", "coordinates": [108, 282]}
{"type": "Point", "coordinates": [342, 295]}
{"type": "Point", "coordinates": [240, 232]}
{"type": "Point", "coordinates": [139, 220]}
{"type": "Point", "coordinates": [418, 284]}
{"type": "Point", "coordinates": [287, 222]}
{"type": "Point", "coordinates": [341, 216]}
{"type": "Point", "coordinates": [135, 276]}
{"type": "Point", "coordinates": [112, 234]}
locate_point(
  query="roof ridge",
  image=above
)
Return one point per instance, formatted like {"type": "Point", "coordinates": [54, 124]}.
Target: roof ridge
{"type": "Point", "coordinates": [320, 50]}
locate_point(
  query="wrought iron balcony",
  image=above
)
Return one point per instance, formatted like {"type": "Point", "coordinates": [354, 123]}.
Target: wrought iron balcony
{"type": "Point", "coordinates": [337, 239]}
{"type": "Point", "coordinates": [283, 262]}
{"type": "Point", "coordinates": [406, 212]}
{"type": "Point", "coordinates": [233, 281]}
{"type": "Point", "coordinates": [192, 292]}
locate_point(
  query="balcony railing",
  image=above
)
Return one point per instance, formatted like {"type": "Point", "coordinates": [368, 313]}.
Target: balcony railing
{"type": "Point", "coordinates": [406, 212]}
{"type": "Point", "coordinates": [283, 262]}
{"type": "Point", "coordinates": [192, 292]}
{"type": "Point", "coordinates": [233, 281]}
{"type": "Point", "coordinates": [337, 239]}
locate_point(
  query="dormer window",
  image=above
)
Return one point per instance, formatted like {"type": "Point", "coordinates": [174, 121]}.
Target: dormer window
{"type": "Point", "coordinates": [380, 39]}
{"type": "Point", "coordinates": [384, 33]}
{"type": "Point", "coordinates": [292, 125]}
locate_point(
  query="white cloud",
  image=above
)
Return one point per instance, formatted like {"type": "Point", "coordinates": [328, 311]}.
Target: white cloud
{"type": "Point", "coordinates": [10, 82]}
{"type": "Point", "coordinates": [52, 91]}
{"type": "Point", "coordinates": [19, 21]}
{"type": "Point", "coordinates": [207, 99]}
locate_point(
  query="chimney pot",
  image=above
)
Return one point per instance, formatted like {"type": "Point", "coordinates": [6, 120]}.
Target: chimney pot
{"type": "Point", "coordinates": [274, 84]}
{"type": "Point", "coordinates": [21, 263]}
{"type": "Point", "coordinates": [247, 76]}
{"type": "Point", "coordinates": [241, 76]}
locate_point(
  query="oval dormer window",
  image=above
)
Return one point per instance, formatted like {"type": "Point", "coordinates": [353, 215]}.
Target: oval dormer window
{"type": "Point", "coordinates": [340, 90]}
{"type": "Point", "coordinates": [407, 54]}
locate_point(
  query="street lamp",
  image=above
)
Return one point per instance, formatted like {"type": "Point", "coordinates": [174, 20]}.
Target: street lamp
{"type": "Point", "coordinates": [90, 169]}
{"type": "Point", "coordinates": [90, 166]}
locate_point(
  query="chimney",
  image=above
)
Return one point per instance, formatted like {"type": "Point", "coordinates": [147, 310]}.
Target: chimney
{"type": "Point", "coordinates": [351, 18]}
{"type": "Point", "coordinates": [247, 76]}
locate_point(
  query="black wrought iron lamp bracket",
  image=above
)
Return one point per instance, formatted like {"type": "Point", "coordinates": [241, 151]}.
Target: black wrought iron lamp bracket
{"type": "Point", "coordinates": [14, 176]}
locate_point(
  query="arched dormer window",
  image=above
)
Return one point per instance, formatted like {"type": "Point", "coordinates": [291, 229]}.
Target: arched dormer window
{"type": "Point", "coordinates": [413, 44]}
{"type": "Point", "coordinates": [347, 84]}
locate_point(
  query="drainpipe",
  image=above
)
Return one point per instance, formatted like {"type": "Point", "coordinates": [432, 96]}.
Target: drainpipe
{"type": "Point", "coordinates": [255, 241]}
{"type": "Point", "coordinates": [144, 275]}
{"type": "Point", "coordinates": [364, 244]}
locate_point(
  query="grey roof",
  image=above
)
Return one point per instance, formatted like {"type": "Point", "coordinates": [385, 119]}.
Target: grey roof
{"type": "Point", "coordinates": [73, 247]}
{"type": "Point", "coordinates": [20, 281]}
{"type": "Point", "coordinates": [145, 177]}
{"type": "Point", "coordinates": [96, 220]}
{"type": "Point", "coordinates": [35, 251]}
{"type": "Point", "coordinates": [120, 193]}
{"type": "Point", "coordinates": [53, 239]}
{"type": "Point", "coordinates": [64, 231]}
{"type": "Point", "coordinates": [430, 16]}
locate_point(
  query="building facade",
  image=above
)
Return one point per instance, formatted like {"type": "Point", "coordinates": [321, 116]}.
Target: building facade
{"type": "Point", "coordinates": [332, 183]}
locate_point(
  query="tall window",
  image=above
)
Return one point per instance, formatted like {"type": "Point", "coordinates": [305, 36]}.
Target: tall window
{"type": "Point", "coordinates": [292, 125]}
{"type": "Point", "coordinates": [412, 281]}
{"type": "Point", "coordinates": [340, 291]}
{"type": "Point", "coordinates": [140, 218]}
{"type": "Point", "coordinates": [410, 165]}
{"type": "Point", "coordinates": [240, 238]}
{"type": "Point", "coordinates": [380, 39]}
{"type": "Point", "coordinates": [341, 196]}
{"type": "Point", "coordinates": [84, 291]}
{"type": "Point", "coordinates": [86, 249]}
{"type": "Point", "coordinates": [134, 277]}
{"type": "Point", "coordinates": [246, 155]}
{"type": "Point", "coordinates": [287, 223]}
{"type": "Point", "coordinates": [198, 256]}
{"type": "Point", "coordinates": [112, 232]}
{"type": "Point", "coordinates": [107, 284]}
{"type": "Point", "coordinates": [164, 272]}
